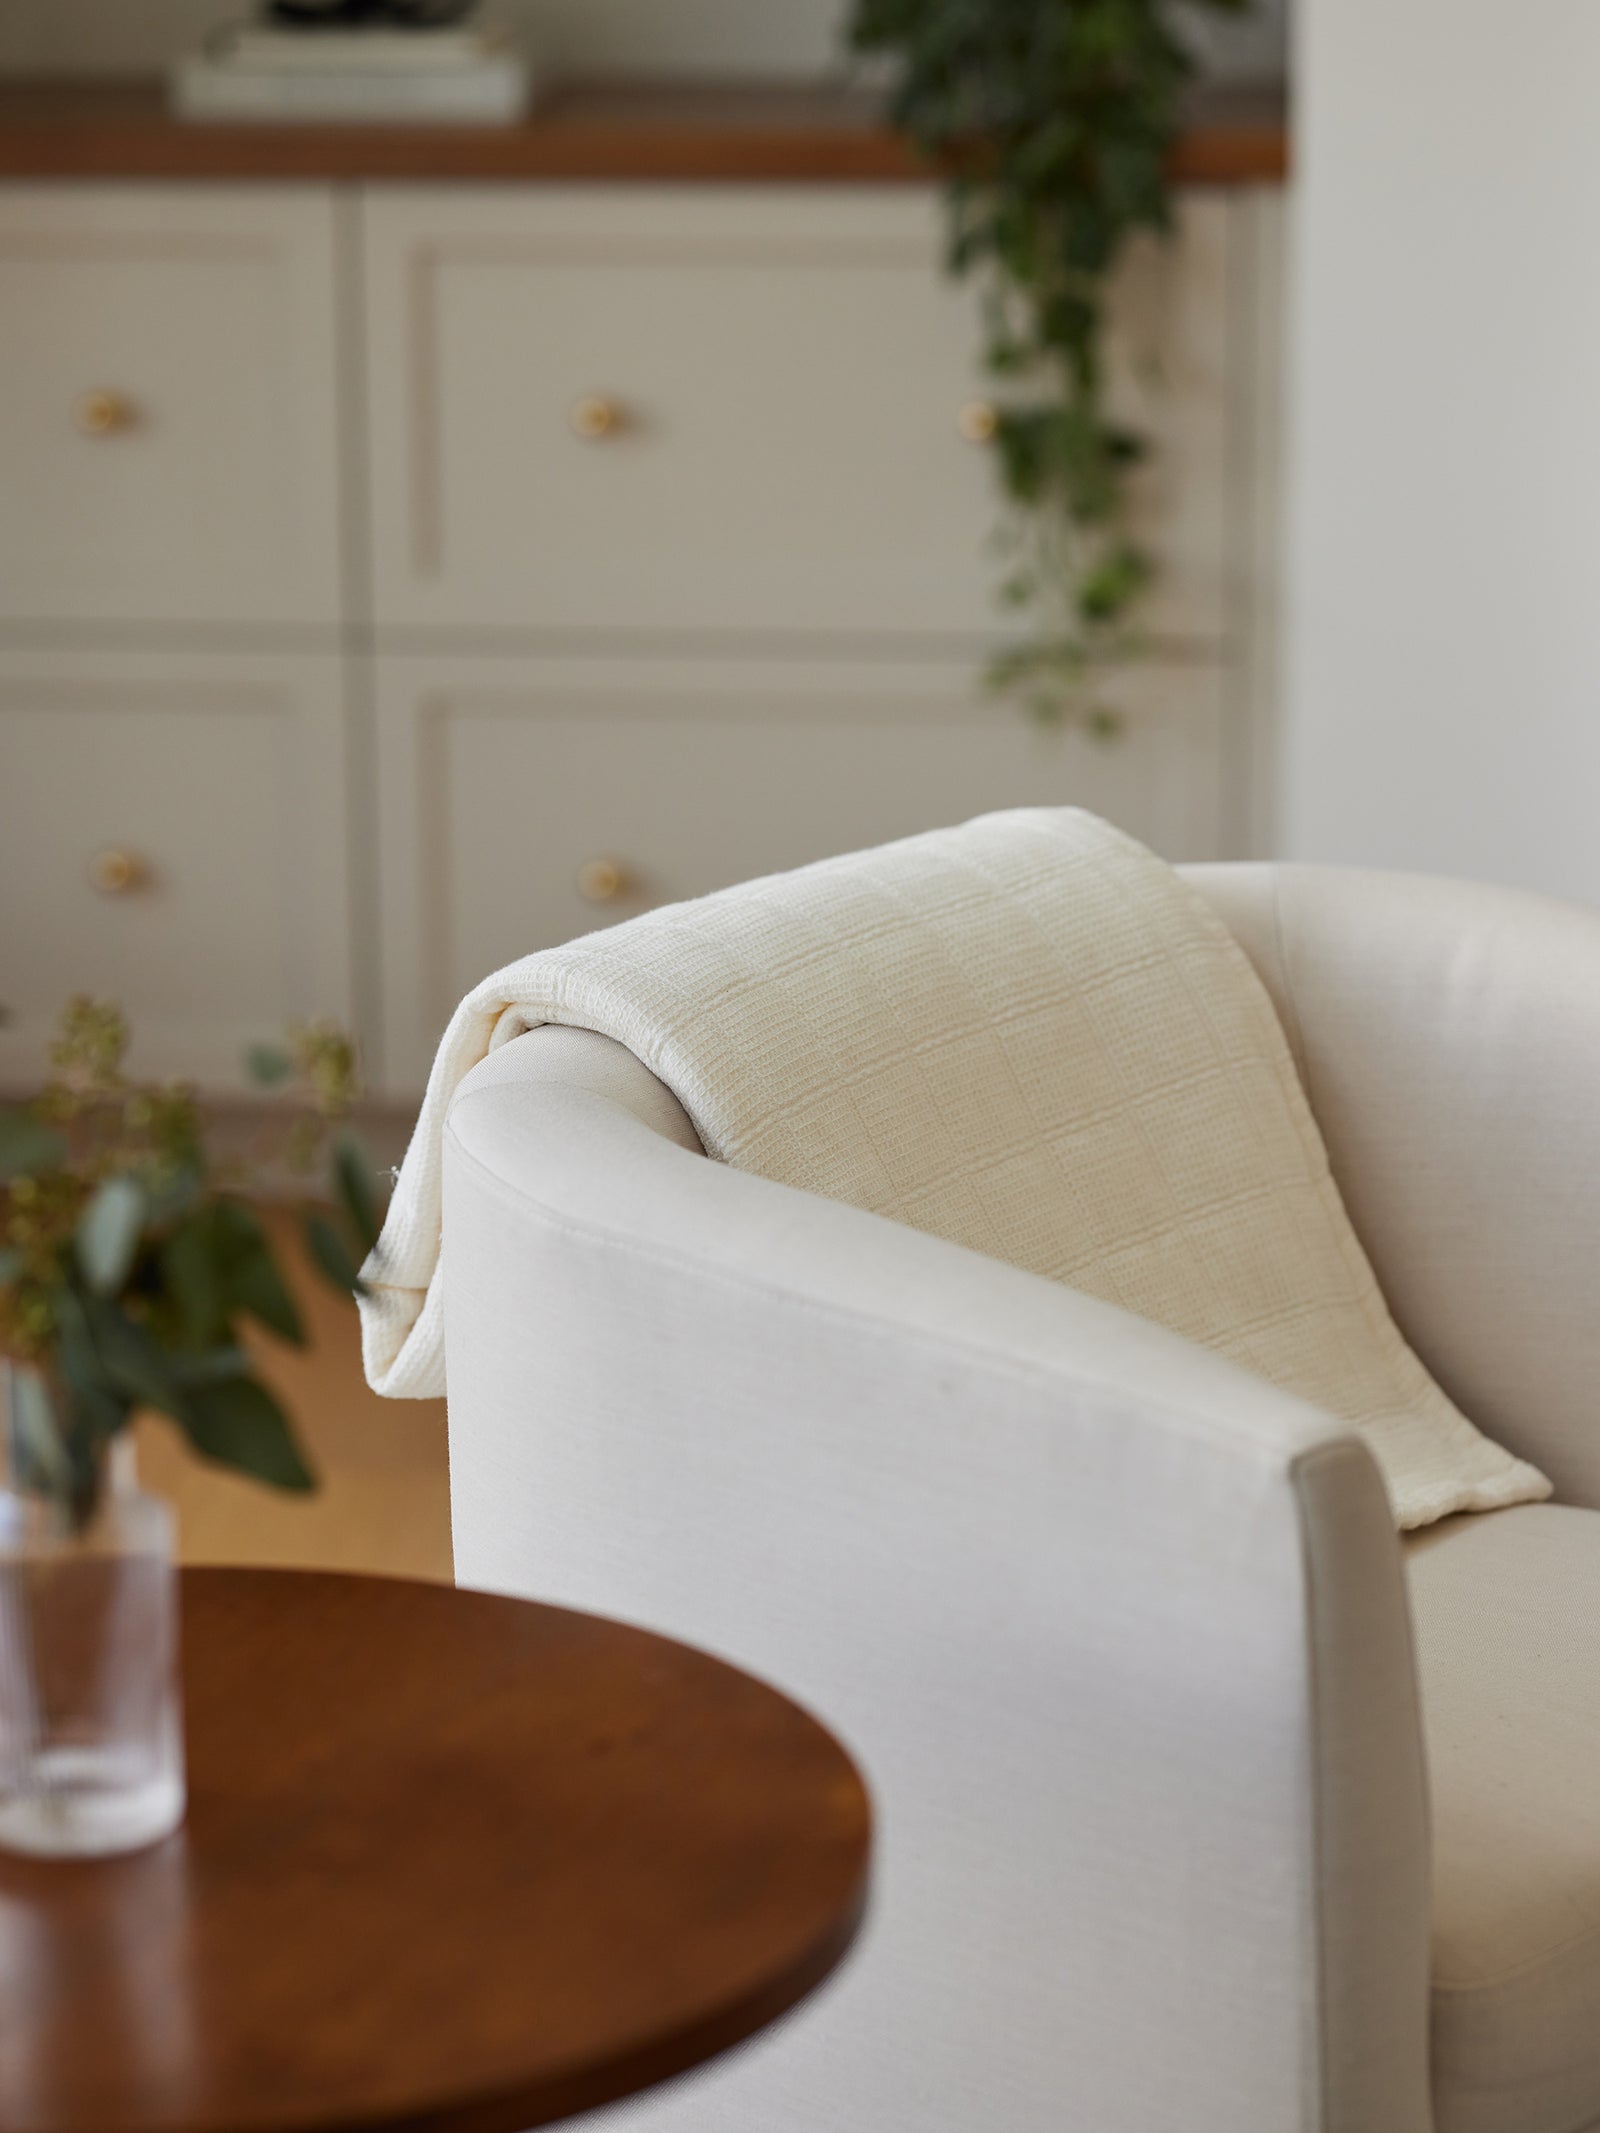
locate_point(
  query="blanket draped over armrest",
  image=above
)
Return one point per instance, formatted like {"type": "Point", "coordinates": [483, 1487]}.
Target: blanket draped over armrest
{"type": "Point", "coordinates": [1026, 1035]}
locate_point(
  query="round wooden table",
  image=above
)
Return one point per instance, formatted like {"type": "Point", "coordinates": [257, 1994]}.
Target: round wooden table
{"type": "Point", "coordinates": [451, 1862]}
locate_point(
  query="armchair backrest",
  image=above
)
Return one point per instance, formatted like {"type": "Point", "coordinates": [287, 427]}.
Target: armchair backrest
{"type": "Point", "coordinates": [1447, 1035]}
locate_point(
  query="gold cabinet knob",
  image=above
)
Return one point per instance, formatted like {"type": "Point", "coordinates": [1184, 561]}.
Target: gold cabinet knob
{"type": "Point", "coordinates": [117, 872]}
{"type": "Point", "coordinates": [98, 414]}
{"type": "Point", "coordinates": [977, 420]}
{"type": "Point", "coordinates": [603, 881]}
{"type": "Point", "coordinates": [594, 416]}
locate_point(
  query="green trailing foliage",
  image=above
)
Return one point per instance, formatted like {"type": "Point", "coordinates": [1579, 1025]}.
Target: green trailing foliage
{"type": "Point", "coordinates": [1055, 121]}
{"type": "Point", "coordinates": [130, 1268]}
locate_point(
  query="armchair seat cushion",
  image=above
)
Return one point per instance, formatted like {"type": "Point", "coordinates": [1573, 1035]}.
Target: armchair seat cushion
{"type": "Point", "coordinates": [1507, 1614]}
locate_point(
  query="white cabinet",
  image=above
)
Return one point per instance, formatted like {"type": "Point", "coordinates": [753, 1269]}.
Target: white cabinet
{"type": "Point", "coordinates": [735, 411]}
{"type": "Point", "coordinates": [525, 801]}
{"type": "Point", "coordinates": [168, 436]}
{"type": "Point", "coordinates": [372, 562]}
{"type": "Point", "coordinates": [172, 836]}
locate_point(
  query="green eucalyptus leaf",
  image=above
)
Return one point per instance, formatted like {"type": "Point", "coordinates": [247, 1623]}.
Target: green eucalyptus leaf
{"type": "Point", "coordinates": [258, 1287]}
{"type": "Point", "coordinates": [332, 1260]}
{"type": "Point", "coordinates": [39, 1454]}
{"type": "Point", "coordinates": [108, 1234]}
{"type": "Point", "coordinates": [191, 1275]}
{"type": "Point", "coordinates": [356, 1180]}
{"type": "Point", "coordinates": [95, 1406]}
{"type": "Point", "coordinates": [26, 1145]}
{"type": "Point", "coordinates": [247, 1272]}
{"type": "Point", "coordinates": [269, 1066]}
{"type": "Point", "coordinates": [129, 1362]}
{"type": "Point", "coordinates": [210, 1365]}
{"type": "Point", "coordinates": [237, 1423]}
{"type": "Point", "coordinates": [57, 1445]}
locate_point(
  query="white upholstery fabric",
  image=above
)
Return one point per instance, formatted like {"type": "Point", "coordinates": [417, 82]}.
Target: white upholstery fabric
{"type": "Point", "coordinates": [1025, 1035]}
{"type": "Point", "coordinates": [1508, 1650]}
{"type": "Point", "coordinates": [1118, 1633]}
{"type": "Point", "coordinates": [1449, 1035]}
{"type": "Point", "coordinates": [1117, 1629]}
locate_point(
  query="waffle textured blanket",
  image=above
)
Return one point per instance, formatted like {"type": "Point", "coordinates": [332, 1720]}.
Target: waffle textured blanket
{"type": "Point", "coordinates": [1026, 1035]}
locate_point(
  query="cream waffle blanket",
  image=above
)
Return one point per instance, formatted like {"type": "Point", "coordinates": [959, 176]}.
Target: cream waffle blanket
{"type": "Point", "coordinates": [1027, 1035]}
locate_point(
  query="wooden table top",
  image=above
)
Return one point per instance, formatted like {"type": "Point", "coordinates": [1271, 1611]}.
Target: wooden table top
{"type": "Point", "coordinates": [452, 1862]}
{"type": "Point", "coordinates": [613, 131]}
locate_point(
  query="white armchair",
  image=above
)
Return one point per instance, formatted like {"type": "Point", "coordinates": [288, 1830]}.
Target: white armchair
{"type": "Point", "coordinates": [1120, 1633]}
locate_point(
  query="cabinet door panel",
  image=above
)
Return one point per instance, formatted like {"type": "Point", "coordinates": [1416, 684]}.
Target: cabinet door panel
{"type": "Point", "coordinates": [172, 837]}
{"type": "Point", "coordinates": [514, 794]}
{"type": "Point", "coordinates": [738, 411]}
{"type": "Point", "coordinates": [167, 405]}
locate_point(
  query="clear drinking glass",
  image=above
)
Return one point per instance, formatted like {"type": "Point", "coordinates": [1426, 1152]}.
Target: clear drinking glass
{"type": "Point", "coordinates": [91, 1731]}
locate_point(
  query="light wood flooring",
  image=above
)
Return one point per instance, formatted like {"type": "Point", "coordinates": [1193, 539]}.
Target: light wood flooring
{"type": "Point", "coordinates": [383, 1504]}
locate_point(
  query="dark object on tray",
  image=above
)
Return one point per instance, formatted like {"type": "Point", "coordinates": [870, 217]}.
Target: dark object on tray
{"type": "Point", "coordinates": [381, 14]}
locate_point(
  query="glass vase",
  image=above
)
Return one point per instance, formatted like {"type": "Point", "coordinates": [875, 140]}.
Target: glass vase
{"type": "Point", "coordinates": [91, 1732]}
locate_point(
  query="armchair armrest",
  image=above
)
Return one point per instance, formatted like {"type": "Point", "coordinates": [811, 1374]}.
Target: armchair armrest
{"type": "Point", "coordinates": [1117, 1629]}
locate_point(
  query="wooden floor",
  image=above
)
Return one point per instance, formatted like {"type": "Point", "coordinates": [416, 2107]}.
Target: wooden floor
{"type": "Point", "coordinates": [383, 1504]}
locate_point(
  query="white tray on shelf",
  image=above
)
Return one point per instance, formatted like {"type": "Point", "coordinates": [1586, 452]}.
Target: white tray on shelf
{"type": "Point", "coordinates": [456, 76]}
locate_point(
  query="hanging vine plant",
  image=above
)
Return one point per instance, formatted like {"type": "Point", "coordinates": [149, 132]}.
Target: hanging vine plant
{"type": "Point", "coordinates": [1055, 120]}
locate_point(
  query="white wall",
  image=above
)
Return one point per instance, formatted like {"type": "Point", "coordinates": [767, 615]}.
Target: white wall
{"type": "Point", "coordinates": [750, 37]}
{"type": "Point", "coordinates": [1444, 661]}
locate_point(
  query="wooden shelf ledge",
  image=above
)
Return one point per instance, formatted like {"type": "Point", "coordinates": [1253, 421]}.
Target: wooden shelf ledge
{"type": "Point", "coordinates": [617, 132]}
